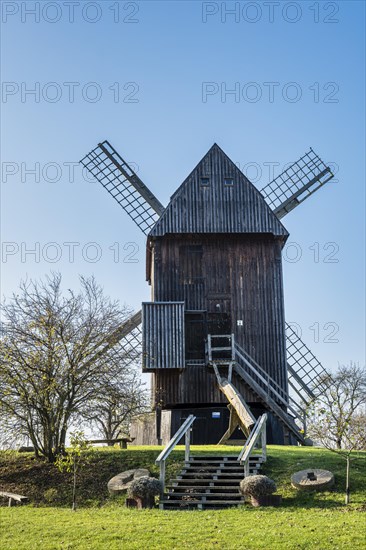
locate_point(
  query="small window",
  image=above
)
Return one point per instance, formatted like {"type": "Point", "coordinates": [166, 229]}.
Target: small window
{"type": "Point", "coordinates": [229, 181]}
{"type": "Point", "coordinates": [205, 181]}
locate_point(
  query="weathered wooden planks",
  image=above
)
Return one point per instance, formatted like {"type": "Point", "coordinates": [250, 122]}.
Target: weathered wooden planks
{"type": "Point", "coordinates": [237, 402]}
{"type": "Point", "coordinates": [216, 207]}
{"type": "Point", "coordinates": [163, 336]}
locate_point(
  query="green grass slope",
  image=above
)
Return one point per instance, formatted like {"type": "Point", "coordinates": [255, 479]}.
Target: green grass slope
{"type": "Point", "coordinates": [304, 521]}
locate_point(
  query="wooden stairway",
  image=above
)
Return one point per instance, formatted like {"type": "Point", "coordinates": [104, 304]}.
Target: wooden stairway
{"type": "Point", "coordinates": [265, 396]}
{"type": "Point", "coordinates": [272, 395]}
{"type": "Point", "coordinates": [208, 482]}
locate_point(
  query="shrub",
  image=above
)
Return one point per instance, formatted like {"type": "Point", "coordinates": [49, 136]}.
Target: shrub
{"type": "Point", "coordinates": [50, 495]}
{"type": "Point", "coordinates": [144, 487]}
{"type": "Point", "coordinates": [257, 486]}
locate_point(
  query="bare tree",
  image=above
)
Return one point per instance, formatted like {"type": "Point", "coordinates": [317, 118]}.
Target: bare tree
{"type": "Point", "coordinates": [336, 418]}
{"type": "Point", "coordinates": [112, 411]}
{"type": "Point", "coordinates": [54, 358]}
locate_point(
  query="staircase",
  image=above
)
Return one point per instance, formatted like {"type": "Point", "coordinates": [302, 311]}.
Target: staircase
{"type": "Point", "coordinates": [258, 381]}
{"type": "Point", "coordinates": [208, 482]}
{"type": "Point", "coordinates": [269, 393]}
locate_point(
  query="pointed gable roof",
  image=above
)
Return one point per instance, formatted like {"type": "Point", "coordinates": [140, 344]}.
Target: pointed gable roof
{"type": "Point", "coordinates": [217, 207]}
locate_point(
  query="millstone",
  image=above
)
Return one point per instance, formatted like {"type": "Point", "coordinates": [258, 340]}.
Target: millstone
{"type": "Point", "coordinates": [121, 482]}
{"type": "Point", "coordinates": [315, 479]}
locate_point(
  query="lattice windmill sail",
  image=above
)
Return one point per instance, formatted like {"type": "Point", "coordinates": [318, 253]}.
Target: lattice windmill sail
{"type": "Point", "coordinates": [282, 195]}
{"type": "Point", "coordinates": [109, 168]}
{"type": "Point", "coordinates": [305, 372]}
{"type": "Point", "coordinates": [297, 183]}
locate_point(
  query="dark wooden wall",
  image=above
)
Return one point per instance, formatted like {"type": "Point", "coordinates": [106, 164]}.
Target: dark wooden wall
{"type": "Point", "coordinates": [243, 275]}
{"type": "Point", "coordinates": [206, 430]}
{"type": "Point", "coordinates": [216, 207]}
{"type": "Point", "coordinates": [194, 386]}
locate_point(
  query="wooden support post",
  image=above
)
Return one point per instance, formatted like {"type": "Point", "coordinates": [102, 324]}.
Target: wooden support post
{"type": "Point", "coordinates": [216, 371]}
{"type": "Point", "coordinates": [158, 425]}
{"type": "Point", "coordinates": [188, 445]}
{"type": "Point", "coordinates": [264, 442]}
{"type": "Point", "coordinates": [162, 476]}
{"type": "Point", "coordinates": [209, 347]}
{"type": "Point", "coordinates": [234, 422]}
{"type": "Point", "coordinates": [230, 372]}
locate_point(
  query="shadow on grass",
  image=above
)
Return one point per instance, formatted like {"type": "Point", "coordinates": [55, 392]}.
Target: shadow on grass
{"type": "Point", "coordinates": [296, 502]}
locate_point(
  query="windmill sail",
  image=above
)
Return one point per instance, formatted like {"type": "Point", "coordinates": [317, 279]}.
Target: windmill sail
{"type": "Point", "coordinates": [109, 168]}
{"type": "Point", "coordinates": [305, 372]}
{"type": "Point", "coordinates": [297, 183]}
{"type": "Point", "coordinates": [127, 336]}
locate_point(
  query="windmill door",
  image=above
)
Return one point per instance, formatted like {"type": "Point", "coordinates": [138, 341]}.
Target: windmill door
{"type": "Point", "coordinates": [219, 323]}
{"type": "Point", "coordinates": [219, 316]}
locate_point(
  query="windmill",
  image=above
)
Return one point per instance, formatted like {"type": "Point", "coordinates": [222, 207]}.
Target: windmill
{"type": "Point", "coordinates": [215, 331]}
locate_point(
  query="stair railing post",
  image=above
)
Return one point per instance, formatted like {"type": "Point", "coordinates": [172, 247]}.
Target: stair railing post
{"type": "Point", "coordinates": [246, 468]}
{"type": "Point", "coordinates": [209, 347]}
{"type": "Point", "coordinates": [161, 459]}
{"type": "Point", "coordinates": [162, 476]}
{"type": "Point", "coordinates": [264, 442]}
{"type": "Point", "coordinates": [230, 371]}
{"type": "Point", "coordinates": [188, 444]}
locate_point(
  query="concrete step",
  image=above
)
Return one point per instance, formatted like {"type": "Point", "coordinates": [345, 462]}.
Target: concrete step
{"type": "Point", "coordinates": [220, 480]}
{"type": "Point", "coordinates": [216, 471]}
{"type": "Point", "coordinates": [229, 458]}
{"type": "Point", "coordinates": [222, 467]}
{"type": "Point", "coordinates": [206, 481]}
{"type": "Point", "coordinates": [203, 496]}
{"type": "Point", "coordinates": [190, 504]}
{"type": "Point", "coordinates": [212, 489]}
{"type": "Point", "coordinates": [214, 467]}
{"type": "Point", "coordinates": [222, 458]}
{"type": "Point", "coordinates": [214, 475]}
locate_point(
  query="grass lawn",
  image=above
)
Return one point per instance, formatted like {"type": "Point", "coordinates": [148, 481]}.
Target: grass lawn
{"type": "Point", "coordinates": [132, 529]}
{"type": "Point", "coordinates": [304, 521]}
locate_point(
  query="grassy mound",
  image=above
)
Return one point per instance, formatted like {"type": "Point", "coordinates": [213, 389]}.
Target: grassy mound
{"type": "Point", "coordinates": [305, 521]}
{"type": "Point", "coordinates": [46, 486]}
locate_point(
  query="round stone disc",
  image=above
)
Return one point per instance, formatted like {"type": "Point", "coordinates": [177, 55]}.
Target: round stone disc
{"type": "Point", "coordinates": [312, 479]}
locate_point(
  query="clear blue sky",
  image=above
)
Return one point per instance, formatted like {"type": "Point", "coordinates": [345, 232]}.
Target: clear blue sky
{"type": "Point", "coordinates": [312, 51]}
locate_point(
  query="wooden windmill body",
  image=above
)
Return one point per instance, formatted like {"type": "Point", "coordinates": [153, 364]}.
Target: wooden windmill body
{"type": "Point", "coordinates": [215, 328]}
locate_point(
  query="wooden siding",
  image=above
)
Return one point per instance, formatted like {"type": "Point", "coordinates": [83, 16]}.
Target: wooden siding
{"type": "Point", "coordinates": [243, 275]}
{"type": "Point", "coordinates": [206, 430]}
{"type": "Point", "coordinates": [216, 207]}
{"type": "Point", "coordinates": [163, 336]}
{"type": "Point", "coordinates": [143, 429]}
{"type": "Point", "coordinates": [195, 386]}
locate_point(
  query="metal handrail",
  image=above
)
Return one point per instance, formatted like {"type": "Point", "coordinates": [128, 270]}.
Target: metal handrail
{"type": "Point", "coordinates": [185, 429]}
{"type": "Point", "coordinates": [260, 372]}
{"type": "Point", "coordinates": [210, 348]}
{"type": "Point", "coordinates": [249, 439]}
{"type": "Point", "coordinates": [259, 431]}
{"type": "Point", "coordinates": [268, 381]}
